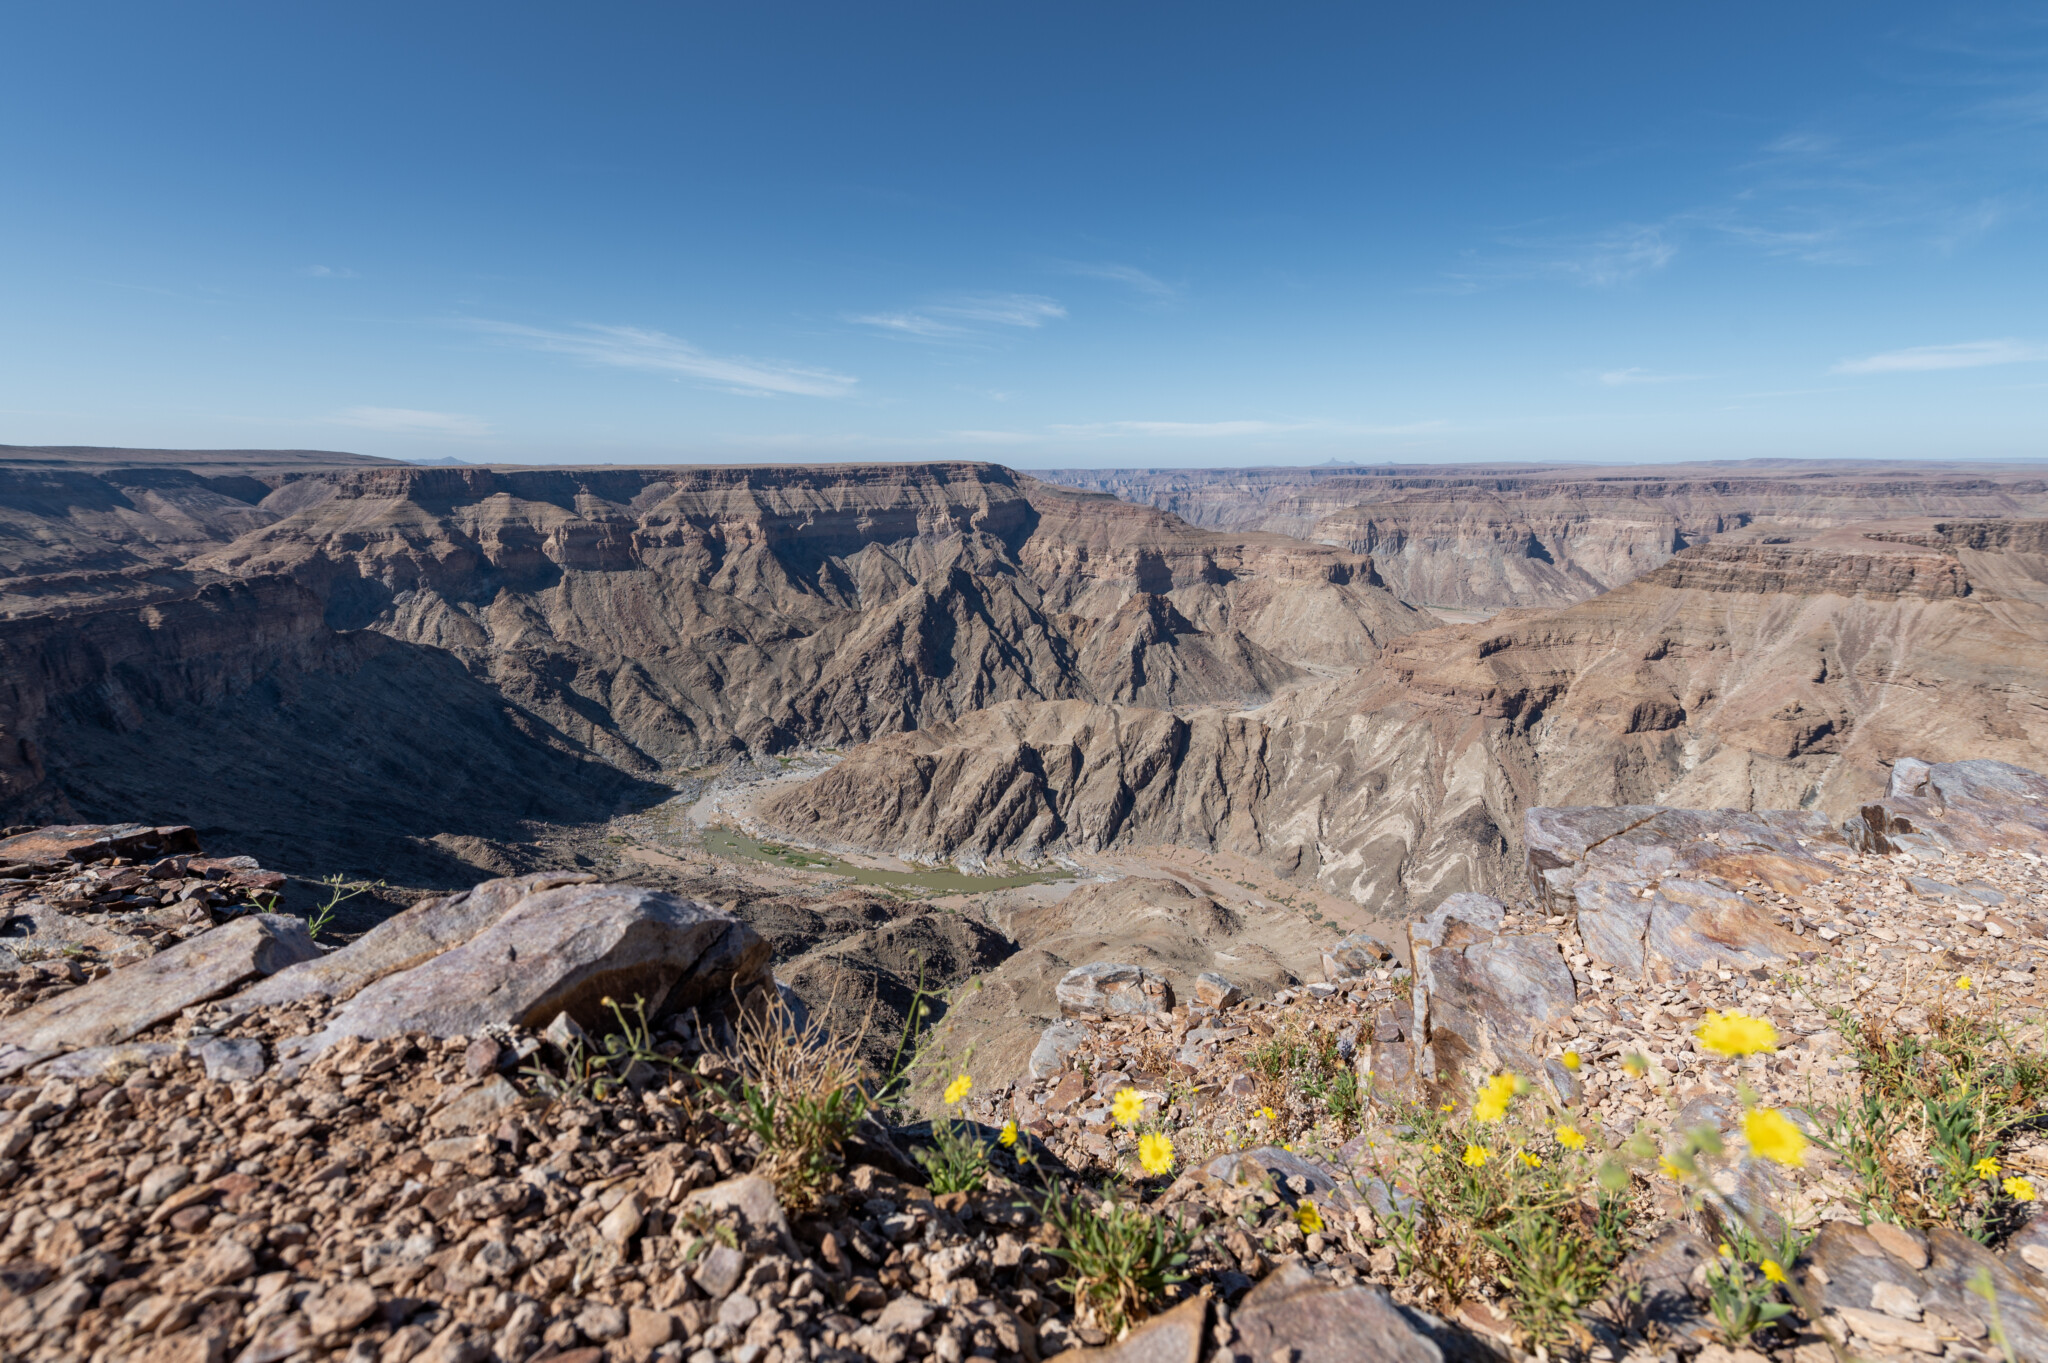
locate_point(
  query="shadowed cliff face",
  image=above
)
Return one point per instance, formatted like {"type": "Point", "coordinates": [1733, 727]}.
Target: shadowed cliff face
{"type": "Point", "coordinates": [1473, 537]}
{"type": "Point", "coordinates": [469, 648]}
{"type": "Point", "coordinates": [1742, 675]}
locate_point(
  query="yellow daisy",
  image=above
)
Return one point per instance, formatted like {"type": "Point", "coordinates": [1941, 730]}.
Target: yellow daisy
{"type": "Point", "coordinates": [1770, 1133]}
{"type": "Point", "coordinates": [1737, 1034]}
{"type": "Point", "coordinates": [1155, 1152]}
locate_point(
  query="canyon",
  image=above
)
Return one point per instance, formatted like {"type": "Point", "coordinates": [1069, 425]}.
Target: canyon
{"type": "Point", "coordinates": [422, 676]}
{"type": "Point", "coordinates": [1261, 838]}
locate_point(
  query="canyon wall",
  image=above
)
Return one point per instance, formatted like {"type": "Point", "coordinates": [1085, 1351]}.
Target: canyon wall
{"type": "Point", "coordinates": [1476, 537]}
{"type": "Point", "coordinates": [585, 631]}
{"type": "Point", "coordinates": [1739, 675]}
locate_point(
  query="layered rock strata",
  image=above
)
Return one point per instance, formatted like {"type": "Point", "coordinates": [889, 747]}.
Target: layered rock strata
{"type": "Point", "coordinates": [1484, 538]}
{"type": "Point", "coordinates": [1409, 781]}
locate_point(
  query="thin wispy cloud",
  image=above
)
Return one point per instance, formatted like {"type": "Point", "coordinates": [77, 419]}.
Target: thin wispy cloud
{"type": "Point", "coordinates": [1926, 358]}
{"type": "Point", "coordinates": [1619, 257]}
{"type": "Point", "coordinates": [1622, 378]}
{"type": "Point", "coordinates": [657, 352]}
{"type": "Point", "coordinates": [327, 272]}
{"type": "Point", "coordinates": [411, 421]}
{"type": "Point", "coordinates": [1115, 273]}
{"type": "Point", "coordinates": [966, 315]}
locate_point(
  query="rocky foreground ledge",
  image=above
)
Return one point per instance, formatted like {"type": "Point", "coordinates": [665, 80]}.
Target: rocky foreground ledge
{"type": "Point", "coordinates": [239, 1146]}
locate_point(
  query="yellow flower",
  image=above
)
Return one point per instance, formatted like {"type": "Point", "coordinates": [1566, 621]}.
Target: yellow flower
{"type": "Point", "coordinates": [1571, 1061]}
{"type": "Point", "coordinates": [1528, 1159]}
{"type": "Point", "coordinates": [1636, 1066]}
{"type": "Point", "coordinates": [1494, 1096]}
{"type": "Point", "coordinates": [1435, 1149]}
{"type": "Point", "coordinates": [1770, 1133]}
{"type": "Point", "coordinates": [1964, 983]}
{"type": "Point", "coordinates": [1723, 1250]}
{"type": "Point", "coordinates": [1268, 1114]}
{"type": "Point", "coordinates": [1737, 1034]}
{"type": "Point", "coordinates": [957, 1090]}
{"type": "Point", "coordinates": [1670, 1170]}
{"type": "Point", "coordinates": [1448, 1107]}
{"type": "Point", "coordinates": [1475, 1155]}
{"type": "Point", "coordinates": [1127, 1107]}
{"type": "Point", "coordinates": [1986, 1168]}
{"type": "Point", "coordinates": [2019, 1189]}
{"type": "Point", "coordinates": [1570, 1138]}
{"type": "Point", "coordinates": [1155, 1152]}
{"type": "Point", "coordinates": [1308, 1218]}
{"type": "Point", "coordinates": [1008, 1135]}
{"type": "Point", "coordinates": [1773, 1270]}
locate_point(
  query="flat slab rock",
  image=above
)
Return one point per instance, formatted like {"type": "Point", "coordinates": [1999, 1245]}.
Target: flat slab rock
{"type": "Point", "coordinates": [1292, 1314]}
{"type": "Point", "coordinates": [84, 842]}
{"type": "Point", "coordinates": [1483, 1000]}
{"type": "Point", "coordinates": [551, 950]}
{"type": "Point", "coordinates": [1651, 889]}
{"type": "Point", "coordinates": [137, 997]}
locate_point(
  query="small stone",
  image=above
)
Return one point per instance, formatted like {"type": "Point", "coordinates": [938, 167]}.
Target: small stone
{"type": "Point", "coordinates": [227, 1061]}
{"type": "Point", "coordinates": [648, 1330]}
{"type": "Point", "coordinates": [1055, 1044]}
{"type": "Point", "coordinates": [752, 1196]}
{"type": "Point", "coordinates": [1214, 991]}
{"type": "Point", "coordinates": [622, 1222]}
{"type": "Point", "coordinates": [737, 1310]}
{"type": "Point", "coordinates": [484, 1056]}
{"type": "Point", "coordinates": [161, 1182]}
{"type": "Point", "coordinates": [904, 1316]}
{"type": "Point", "coordinates": [341, 1307]}
{"type": "Point", "coordinates": [602, 1321]}
{"type": "Point", "coordinates": [229, 1261]}
{"type": "Point", "coordinates": [720, 1271]}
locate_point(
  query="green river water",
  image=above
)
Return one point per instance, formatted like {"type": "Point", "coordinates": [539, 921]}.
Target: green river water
{"type": "Point", "coordinates": [728, 842]}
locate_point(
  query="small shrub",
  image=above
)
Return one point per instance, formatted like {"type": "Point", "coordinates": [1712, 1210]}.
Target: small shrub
{"type": "Point", "coordinates": [340, 891]}
{"type": "Point", "coordinates": [1121, 1256]}
{"type": "Point", "coordinates": [598, 1073]}
{"type": "Point", "coordinates": [1504, 1199]}
{"type": "Point", "coordinates": [958, 1161]}
{"type": "Point", "coordinates": [1931, 1117]}
{"type": "Point", "coordinates": [800, 1094]}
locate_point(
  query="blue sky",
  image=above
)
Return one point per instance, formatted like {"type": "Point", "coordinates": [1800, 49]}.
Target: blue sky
{"type": "Point", "coordinates": [1055, 234]}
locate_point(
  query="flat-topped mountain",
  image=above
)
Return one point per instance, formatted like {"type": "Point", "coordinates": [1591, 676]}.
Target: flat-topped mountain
{"type": "Point", "coordinates": [1480, 537]}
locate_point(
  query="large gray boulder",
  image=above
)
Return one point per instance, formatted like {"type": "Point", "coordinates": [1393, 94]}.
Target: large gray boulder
{"type": "Point", "coordinates": [559, 949]}
{"type": "Point", "coordinates": [133, 999]}
{"type": "Point", "coordinates": [1954, 806]}
{"type": "Point", "coordinates": [412, 938]}
{"type": "Point", "coordinates": [1102, 989]}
